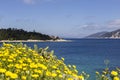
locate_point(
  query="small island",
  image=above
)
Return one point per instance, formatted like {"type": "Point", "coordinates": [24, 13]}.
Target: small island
{"type": "Point", "coordinates": [20, 35]}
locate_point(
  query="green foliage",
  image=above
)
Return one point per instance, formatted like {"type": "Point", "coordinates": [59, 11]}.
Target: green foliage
{"type": "Point", "coordinates": [20, 34]}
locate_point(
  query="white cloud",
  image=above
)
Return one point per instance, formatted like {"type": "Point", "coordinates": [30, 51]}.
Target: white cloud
{"type": "Point", "coordinates": [91, 26]}
{"type": "Point", "coordinates": [107, 26]}
{"type": "Point", "coordinates": [114, 23]}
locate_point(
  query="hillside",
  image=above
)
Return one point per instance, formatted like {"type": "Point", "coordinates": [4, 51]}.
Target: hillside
{"type": "Point", "coordinates": [96, 35]}
{"type": "Point", "coordinates": [20, 34]}
{"type": "Point", "coordinates": [112, 34]}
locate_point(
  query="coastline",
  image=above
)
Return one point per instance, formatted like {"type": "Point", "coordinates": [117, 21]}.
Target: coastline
{"type": "Point", "coordinates": [59, 40]}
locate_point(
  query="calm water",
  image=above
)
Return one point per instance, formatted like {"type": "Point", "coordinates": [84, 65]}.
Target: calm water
{"type": "Point", "coordinates": [87, 54]}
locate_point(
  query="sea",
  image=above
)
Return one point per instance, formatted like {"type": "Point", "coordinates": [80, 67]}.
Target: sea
{"type": "Point", "coordinates": [89, 55]}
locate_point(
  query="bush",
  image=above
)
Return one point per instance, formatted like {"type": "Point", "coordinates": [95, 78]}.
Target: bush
{"type": "Point", "coordinates": [108, 74]}
{"type": "Point", "coordinates": [20, 62]}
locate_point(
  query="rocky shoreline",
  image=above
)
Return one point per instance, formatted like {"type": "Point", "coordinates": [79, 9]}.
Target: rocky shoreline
{"type": "Point", "coordinates": [59, 40]}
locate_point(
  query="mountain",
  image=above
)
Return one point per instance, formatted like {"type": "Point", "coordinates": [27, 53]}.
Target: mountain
{"type": "Point", "coordinates": [96, 35]}
{"type": "Point", "coordinates": [112, 34]}
{"type": "Point", "coordinates": [20, 34]}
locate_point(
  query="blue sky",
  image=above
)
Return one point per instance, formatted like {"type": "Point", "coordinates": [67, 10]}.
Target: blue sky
{"type": "Point", "coordinates": [64, 18]}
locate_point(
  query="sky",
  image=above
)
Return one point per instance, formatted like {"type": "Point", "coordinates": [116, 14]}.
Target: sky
{"type": "Point", "coordinates": [64, 18]}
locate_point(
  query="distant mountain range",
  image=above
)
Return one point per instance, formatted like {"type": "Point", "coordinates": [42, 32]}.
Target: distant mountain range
{"type": "Point", "coordinates": [113, 34]}
{"type": "Point", "coordinates": [20, 34]}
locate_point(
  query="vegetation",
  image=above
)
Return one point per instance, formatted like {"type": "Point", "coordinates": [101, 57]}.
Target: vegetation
{"type": "Point", "coordinates": [19, 62]}
{"type": "Point", "coordinates": [108, 74]}
{"type": "Point", "coordinates": [20, 34]}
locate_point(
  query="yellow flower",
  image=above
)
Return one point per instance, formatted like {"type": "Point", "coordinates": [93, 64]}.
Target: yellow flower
{"type": "Point", "coordinates": [38, 71]}
{"type": "Point", "coordinates": [114, 73]}
{"type": "Point", "coordinates": [74, 75]}
{"type": "Point", "coordinates": [60, 76]}
{"type": "Point", "coordinates": [76, 71]}
{"type": "Point", "coordinates": [58, 71]}
{"type": "Point", "coordinates": [2, 70]}
{"type": "Point", "coordinates": [42, 66]}
{"type": "Point", "coordinates": [104, 72]}
{"type": "Point", "coordinates": [74, 66]}
{"type": "Point", "coordinates": [41, 57]}
{"type": "Point", "coordinates": [54, 67]}
{"type": "Point", "coordinates": [18, 71]}
{"type": "Point", "coordinates": [62, 58]}
{"type": "Point", "coordinates": [7, 45]}
{"type": "Point", "coordinates": [81, 77]}
{"type": "Point", "coordinates": [10, 60]}
{"type": "Point", "coordinates": [35, 75]}
{"type": "Point", "coordinates": [24, 68]}
{"type": "Point", "coordinates": [4, 59]}
{"type": "Point", "coordinates": [8, 73]}
{"type": "Point", "coordinates": [0, 63]}
{"type": "Point", "coordinates": [116, 78]}
{"type": "Point", "coordinates": [48, 73]}
{"type": "Point", "coordinates": [14, 76]}
{"type": "Point", "coordinates": [33, 65]}
{"type": "Point", "coordinates": [18, 66]}
{"type": "Point", "coordinates": [53, 74]}
{"type": "Point", "coordinates": [97, 72]}
{"type": "Point", "coordinates": [69, 79]}
{"type": "Point", "coordinates": [69, 72]}
{"type": "Point", "coordinates": [23, 77]}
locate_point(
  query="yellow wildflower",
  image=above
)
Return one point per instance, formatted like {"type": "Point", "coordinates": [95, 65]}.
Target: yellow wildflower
{"type": "Point", "coordinates": [24, 68]}
{"type": "Point", "coordinates": [48, 73]}
{"type": "Point", "coordinates": [33, 65]}
{"type": "Point", "coordinates": [62, 58]}
{"type": "Point", "coordinates": [116, 78]}
{"type": "Point", "coordinates": [58, 71]}
{"type": "Point", "coordinates": [53, 74]}
{"type": "Point", "coordinates": [60, 76]}
{"type": "Point", "coordinates": [97, 72]}
{"type": "Point", "coordinates": [74, 75]}
{"type": "Point", "coordinates": [23, 77]}
{"type": "Point", "coordinates": [54, 67]}
{"type": "Point", "coordinates": [8, 73]}
{"type": "Point", "coordinates": [35, 75]}
{"type": "Point", "coordinates": [14, 76]}
{"type": "Point", "coordinates": [69, 72]}
{"type": "Point", "coordinates": [81, 77]}
{"type": "Point", "coordinates": [18, 66]}
{"type": "Point", "coordinates": [10, 60]}
{"type": "Point", "coordinates": [69, 79]}
{"type": "Point", "coordinates": [2, 70]}
{"type": "Point", "coordinates": [76, 71]}
{"type": "Point", "coordinates": [74, 66]}
{"type": "Point", "coordinates": [114, 73]}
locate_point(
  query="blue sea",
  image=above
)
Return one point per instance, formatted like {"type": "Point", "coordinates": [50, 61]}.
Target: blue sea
{"type": "Point", "coordinates": [87, 54]}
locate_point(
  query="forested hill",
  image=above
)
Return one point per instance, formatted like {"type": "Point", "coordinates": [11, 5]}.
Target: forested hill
{"type": "Point", "coordinates": [20, 34]}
